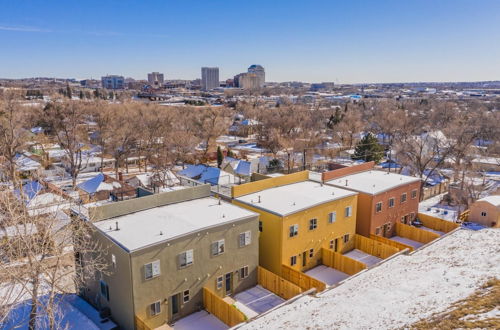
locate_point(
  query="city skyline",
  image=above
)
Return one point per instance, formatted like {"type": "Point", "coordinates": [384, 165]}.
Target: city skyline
{"type": "Point", "coordinates": [342, 42]}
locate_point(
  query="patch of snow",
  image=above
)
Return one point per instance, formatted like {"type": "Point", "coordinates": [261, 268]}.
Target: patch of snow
{"type": "Point", "coordinates": [399, 292]}
{"type": "Point", "coordinates": [200, 320]}
{"type": "Point", "coordinates": [407, 241]}
{"type": "Point", "coordinates": [327, 275]}
{"type": "Point", "coordinates": [363, 257]}
{"type": "Point", "coordinates": [494, 313]}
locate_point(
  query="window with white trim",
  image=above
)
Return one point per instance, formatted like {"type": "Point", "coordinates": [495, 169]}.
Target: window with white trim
{"type": "Point", "coordinates": [414, 194]}
{"type": "Point", "coordinates": [294, 230]}
{"type": "Point", "coordinates": [220, 280]}
{"type": "Point", "coordinates": [185, 296]}
{"type": "Point", "coordinates": [293, 260]}
{"type": "Point", "coordinates": [218, 247]}
{"type": "Point", "coordinates": [243, 272]}
{"type": "Point", "coordinates": [245, 238]}
{"type": "Point", "coordinates": [313, 224]}
{"type": "Point", "coordinates": [155, 308]}
{"type": "Point", "coordinates": [391, 202]}
{"type": "Point", "coordinates": [378, 207]}
{"type": "Point", "coordinates": [348, 211]}
{"type": "Point", "coordinates": [332, 217]}
{"type": "Point", "coordinates": [152, 270]}
{"type": "Point", "coordinates": [403, 198]}
{"type": "Point", "coordinates": [186, 258]}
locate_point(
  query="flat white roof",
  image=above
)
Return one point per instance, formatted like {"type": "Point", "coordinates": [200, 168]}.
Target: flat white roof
{"type": "Point", "coordinates": [144, 228]}
{"type": "Point", "coordinates": [372, 182]}
{"type": "Point", "coordinates": [493, 200]}
{"type": "Point", "coordinates": [291, 198]}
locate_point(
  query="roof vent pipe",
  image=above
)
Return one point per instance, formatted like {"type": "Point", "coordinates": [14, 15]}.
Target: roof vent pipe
{"type": "Point", "coordinates": [259, 198]}
{"type": "Point", "coordinates": [219, 201]}
{"type": "Point", "coordinates": [116, 225]}
{"type": "Point", "coordinates": [346, 182]}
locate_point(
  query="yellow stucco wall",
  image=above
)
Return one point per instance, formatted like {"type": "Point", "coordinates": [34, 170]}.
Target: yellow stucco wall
{"type": "Point", "coordinates": [276, 247]}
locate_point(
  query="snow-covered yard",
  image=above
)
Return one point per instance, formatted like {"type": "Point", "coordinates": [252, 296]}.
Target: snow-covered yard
{"type": "Point", "coordinates": [200, 320]}
{"type": "Point", "coordinates": [440, 233]}
{"type": "Point", "coordinates": [365, 258]}
{"type": "Point", "coordinates": [407, 241]}
{"type": "Point", "coordinates": [256, 300]}
{"type": "Point", "coordinates": [327, 275]}
{"type": "Point", "coordinates": [401, 291]}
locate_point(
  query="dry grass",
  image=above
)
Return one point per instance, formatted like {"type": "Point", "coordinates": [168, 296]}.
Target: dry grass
{"type": "Point", "coordinates": [465, 314]}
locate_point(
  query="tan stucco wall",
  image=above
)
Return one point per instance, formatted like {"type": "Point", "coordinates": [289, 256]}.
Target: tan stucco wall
{"type": "Point", "coordinates": [492, 214]}
{"type": "Point", "coordinates": [203, 272]}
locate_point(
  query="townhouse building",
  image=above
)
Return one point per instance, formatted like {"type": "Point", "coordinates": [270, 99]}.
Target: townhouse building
{"type": "Point", "coordinates": [298, 217]}
{"type": "Point", "coordinates": [384, 197]}
{"type": "Point", "coordinates": [162, 250]}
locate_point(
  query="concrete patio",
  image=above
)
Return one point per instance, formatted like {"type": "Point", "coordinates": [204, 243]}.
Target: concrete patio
{"type": "Point", "coordinates": [363, 257]}
{"type": "Point", "coordinates": [200, 320]}
{"type": "Point", "coordinates": [256, 300]}
{"type": "Point", "coordinates": [327, 275]}
{"type": "Point", "coordinates": [407, 241]}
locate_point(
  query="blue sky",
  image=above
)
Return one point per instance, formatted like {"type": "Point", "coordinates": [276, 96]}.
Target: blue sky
{"type": "Point", "coordinates": [347, 41]}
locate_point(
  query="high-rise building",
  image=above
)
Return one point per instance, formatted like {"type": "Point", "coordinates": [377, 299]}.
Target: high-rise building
{"type": "Point", "coordinates": [258, 70]}
{"type": "Point", "coordinates": [249, 80]}
{"type": "Point", "coordinates": [209, 78]}
{"type": "Point", "coordinates": [113, 82]}
{"type": "Point", "coordinates": [155, 78]}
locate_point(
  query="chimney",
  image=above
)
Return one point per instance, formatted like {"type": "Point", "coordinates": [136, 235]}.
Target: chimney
{"type": "Point", "coordinates": [116, 224]}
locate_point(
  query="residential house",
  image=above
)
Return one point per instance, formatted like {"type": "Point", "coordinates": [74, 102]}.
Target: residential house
{"type": "Point", "coordinates": [298, 217]}
{"type": "Point", "coordinates": [384, 197]}
{"type": "Point", "coordinates": [486, 211]}
{"type": "Point", "coordinates": [163, 249]}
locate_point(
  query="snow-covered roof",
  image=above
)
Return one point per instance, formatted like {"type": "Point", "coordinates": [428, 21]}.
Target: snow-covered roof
{"type": "Point", "coordinates": [372, 182]}
{"type": "Point", "coordinates": [295, 197]}
{"type": "Point", "coordinates": [168, 222]}
{"type": "Point", "coordinates": [493, 200]}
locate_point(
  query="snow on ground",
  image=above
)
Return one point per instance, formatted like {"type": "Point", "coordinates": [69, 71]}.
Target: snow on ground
{"type": "Point", "coordinates": [440, 233]}
{"type": "Point", "coordinates": [494, 313]}
{"type": "Point", "coordinates": [433, 207]}
{"type": "Point", "coordinates": [327, 275]}
{"type": "Point", "coordinates": [200, 320]}
{"type": "Point", "coordinates": [401, 291]}
{"type": "Point", "coordinates": [365, 258]}
{"type": "Point", "coordinates": [407, 241]}
{"type": "Point", "coordinates": [256, 300]}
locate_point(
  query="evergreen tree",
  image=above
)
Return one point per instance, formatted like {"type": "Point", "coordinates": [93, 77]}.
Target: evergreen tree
{"type": "Point", "coordinates": [68, 91]}
{"type": "Point", "coordinates": [82, 96]}
{"type": "Point", "coordinates": [368, 149]}
{"type": "Point", "coordinates": [220, 156]}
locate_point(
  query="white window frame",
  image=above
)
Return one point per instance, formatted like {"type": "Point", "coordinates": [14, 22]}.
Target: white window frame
{"type": "Point", "coordinates": [186, 258]}
{"type": "Point", "coordinates": [218, 247]}
{"type": "Point", "coordinates": [313, 224]}
{"type": "Point", "coordinates": [295, 231]}
{"type": "Point", "coordinates": [405, 199]}
{"type": "Point", "coordinates": [414, 191]}
{"type": "Point", "coordinates": [155, 308]}
{"type": "Point", "coordinates": [155, 270]}
{"type": "Point", "coordinates": [243, 272]}
{"type": "Point", "coordinates": [348, 211]}
{"type": "Point", "coordinates": [184, 295]}
{"type": "Point", "coordinates": [332, 217]}
{"type": "Point", "coordinates": [245, 238]}
{"type": "Point", "coordinates": [293, 261]}
{"type": "Point", "coordinates": [392, 201]}
{"type": "Point", "coordinates": [377, 210]}
{"type": "Point", "coordinates": [219, 282]}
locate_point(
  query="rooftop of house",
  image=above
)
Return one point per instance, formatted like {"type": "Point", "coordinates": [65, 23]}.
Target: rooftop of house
{"type": "Point", "coordinates": [493, 200]}
{"type": "Point", "coordinates": [164, 223]}
{"type": "Point", "coordinates": [372, 182]}
{"type": "Point", "coordinates": [295, 197]}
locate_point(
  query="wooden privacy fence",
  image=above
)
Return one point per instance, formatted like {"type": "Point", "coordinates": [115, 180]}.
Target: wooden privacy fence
{"type": "Point", "coordinates": [305, 282]}
{"type": "Point", "coordinates": [415, 234]}
{"type": "Point", "coordinates": [390, 242]}
{"type": "Point", "coordinates": [277, 285]}
{"type": "Point", "coordinates": [437, 223]}
{"type": "Point", "coordinates": [340, 262]}
{"type": "Point", "coordinates": [464, 216]}
{"type": "Point", "coordinates": [373, 247]}
{"type": "Point", "coordinates": [140, 324]}
{"type": "Point", "coordinates": [225, 312]}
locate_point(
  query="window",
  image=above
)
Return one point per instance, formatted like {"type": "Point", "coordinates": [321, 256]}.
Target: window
{"type": "Point", "coordinates": [152, 270]}
{"type": "Point", "coordinates": [332, 244]}
{"type": "Point", "coordinates": [220, 280]}
{"type": "Point", "coordinates": [113, 260]}
{"type": "Point", "coordinates": [155, 308]}
{"type": "Point", "coordinates": [391, 202]}
{"type": "Point", "coordinates": [311, 253]}
{"type": "Point", "coordinates": [348, 211]}
{"type": "Point", "coordinates": [483, 214]}
{"type": "Point", "coordinates": [294, 230]}
{"type": "Point", "coordinates": [186, 258]}
{"type": "Point", "coordinates": [346, 238]}
{"type": "Point", "coordinates": [243, 272]}
{"type": "Point", "coordinates": [313, 224]}
{"type": "Point", "coordinates": [260, 226]}
{"type": "Point", "coordinates": [332, 217]}
{"type": "Point", "coordinates": [414, 194]}
{"type": "Point", "coordinates": [378, 207]}
{"type": "Point", "coordinates": [403, 198]}
{"type": "Point", "coordinates": [377, 231]}
{"type": "Point", "coordinates": [185, 296]}
{"type": "Point", "coordinates": [104, 290]}
{"type": "Point", "coordinates": [245, 238]}
{"type": "Point", "coordinates": [293, 260]}
{"type": "Point", "coordinates": [218, 247]}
